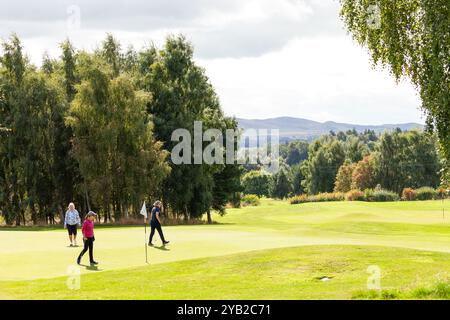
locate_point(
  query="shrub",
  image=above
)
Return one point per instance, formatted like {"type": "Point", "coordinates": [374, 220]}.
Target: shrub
{"type": "Point", "coordinates": [324, 197]}
{"type": "Point", "coordinates": [303, 198]}
{"type": "Point", "coordinates": [355, 195]}
{"type": "Point", "coordinates": [408, 194]}
{"type": "Point", "coordinates": [250, 200]}
{"type": "Point", "coordinates": [442, 193]}
{"type": "Point", "coordinates": [321, 197]}
{"type": "Point", "coordinates": [368, 195]}
{"type": "Point", "coordinates": [378, 195]}
{"type": "Point", "coordinates": [382, 195]}
{"type": "Point", "coordinates": [426, 193]}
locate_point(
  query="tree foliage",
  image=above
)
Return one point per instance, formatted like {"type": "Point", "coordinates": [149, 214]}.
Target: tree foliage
{"type": "Point", "coordinates": [95, 128]}
{"type": "Point", "coordinates": [280, 186]}
{"type": "Point", "coordinates": [406, 159]}
{"type": "Point", "coordinates": [326, 155]}
{"type": "Point", "coordinates": [363, 175]}
{"type": "Point", "coordinates": [343, 181]}
{"type": "Point", "coordinates": [256, 182]}
{"type": "Point", "coordinates": [181, 95]}
{"type": "Point", "coordinates": [412, 39]}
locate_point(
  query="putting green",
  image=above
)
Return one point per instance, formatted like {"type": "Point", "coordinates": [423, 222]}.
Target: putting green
{"type": "Point", "coordinates": [418, 225]}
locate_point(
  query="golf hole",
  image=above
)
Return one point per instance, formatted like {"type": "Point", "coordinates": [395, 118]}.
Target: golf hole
{"type": "Point", "coordinates": [324, 278]}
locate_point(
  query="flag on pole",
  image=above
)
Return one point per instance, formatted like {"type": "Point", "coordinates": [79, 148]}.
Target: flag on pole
{"type": "Point", "coordinates": [144, 211]}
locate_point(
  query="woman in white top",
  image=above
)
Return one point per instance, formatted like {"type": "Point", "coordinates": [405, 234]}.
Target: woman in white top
{"type": "Point", "coordinates": [71, 221]}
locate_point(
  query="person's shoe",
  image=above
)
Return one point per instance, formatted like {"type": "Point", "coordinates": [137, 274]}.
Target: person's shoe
{"type": "Point", "coordinates": [71, 245]}
{"type": "Point", "coordinates": [150, 244]}
{"type": "Point", "coordinates": [166, 242]}
{"type": "Point", "coordinates": [94, 263]}
{"type": "Point", "coordinates": [79, 260]}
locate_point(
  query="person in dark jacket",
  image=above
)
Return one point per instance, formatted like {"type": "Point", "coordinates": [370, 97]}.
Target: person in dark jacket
{"type": "Point", "coordinates": [155, 223]}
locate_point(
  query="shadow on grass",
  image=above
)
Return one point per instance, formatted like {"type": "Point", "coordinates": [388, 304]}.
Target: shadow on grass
{"type": "Point", "coordinates": [31, 228]}
{"type": "Point", "coordinates": [103, 226]}
{"type": "Point", "coordinates": [91, 268]}
{"type": "Point", "coordinates": [162, 248]}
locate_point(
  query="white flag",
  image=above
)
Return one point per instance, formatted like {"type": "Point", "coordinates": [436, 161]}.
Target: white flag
{"type": "Point", "coordinates": [144, 211]}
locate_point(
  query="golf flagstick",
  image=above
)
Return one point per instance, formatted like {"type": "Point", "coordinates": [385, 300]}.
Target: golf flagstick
{"type": "Point", "coordinates": [144, 213]}
{"type": "Point", "coordinates": [145, 239]}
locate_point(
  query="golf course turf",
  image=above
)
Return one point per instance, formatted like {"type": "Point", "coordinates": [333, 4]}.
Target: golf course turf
{"type": "Point", "coordinates": [273, 251]}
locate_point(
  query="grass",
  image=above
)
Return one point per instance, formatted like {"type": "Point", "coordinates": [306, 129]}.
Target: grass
{"type": "Point", "coordinates": [273, 251]}
{"type": "Point", "coordinates": [439, 290]}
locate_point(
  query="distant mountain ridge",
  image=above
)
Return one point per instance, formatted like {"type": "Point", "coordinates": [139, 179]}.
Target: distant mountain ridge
{"type": "Point", "coordinates": [298, 128]}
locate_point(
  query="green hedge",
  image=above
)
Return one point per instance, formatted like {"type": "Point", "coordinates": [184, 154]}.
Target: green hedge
{"type": "Point", "coordinates": [374, 195]}
{"type": "Point", "coordinates": [383, 196]}
{"type": "Point", "coordinates": [321, 197]}
{"type": "Point", "coordinates": [426, 193]}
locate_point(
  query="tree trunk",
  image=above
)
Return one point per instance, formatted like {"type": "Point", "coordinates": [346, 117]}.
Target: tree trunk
{"type": "Point", "coordinates": [208, 213]}
{"type": "Point", "coordinates": [105, 218]}
{"type": "Point", "coordinates": [61, 214]}
{"type": "Point", "coordinates": [34, 213]}
{"type": "Point", "coordinates": [125, 211]}
{"type": "Point", "coordinates": [88, 205]}
{"type": "Point", "coordinates": [186, 215]}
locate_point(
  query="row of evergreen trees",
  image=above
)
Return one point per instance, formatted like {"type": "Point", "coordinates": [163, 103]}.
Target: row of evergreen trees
{"type": "Point", "coordinates": [95, 128]}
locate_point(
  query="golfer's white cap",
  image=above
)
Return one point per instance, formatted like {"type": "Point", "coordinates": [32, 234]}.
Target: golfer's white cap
{"type": "Point", "coordinates": [91, 213]}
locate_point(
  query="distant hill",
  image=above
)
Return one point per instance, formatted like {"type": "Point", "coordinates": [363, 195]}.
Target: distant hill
{"type": "Point", "coordinates": [298, 128]}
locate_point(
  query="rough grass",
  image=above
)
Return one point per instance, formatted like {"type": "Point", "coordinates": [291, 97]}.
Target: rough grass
{"type": "Point", "coordinates": [439, 290]}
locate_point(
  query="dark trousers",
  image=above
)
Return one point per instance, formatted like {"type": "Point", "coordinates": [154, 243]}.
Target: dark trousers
{"type": "Point", "coordinates": [72, 229]}
{"type": "Point", "coordinates": [88, 244]}
{"type": "Point", "coordinates": [156, 226]}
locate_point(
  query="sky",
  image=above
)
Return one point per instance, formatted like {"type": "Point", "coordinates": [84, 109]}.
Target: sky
{"type": "Point", "coordinates": [265, 58]}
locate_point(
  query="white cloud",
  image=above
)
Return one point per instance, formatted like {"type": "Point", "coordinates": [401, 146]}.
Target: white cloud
{"type": "Point", "coordinates": [322, 78]}
{"type": "Point", "coordinates": [266, 58]}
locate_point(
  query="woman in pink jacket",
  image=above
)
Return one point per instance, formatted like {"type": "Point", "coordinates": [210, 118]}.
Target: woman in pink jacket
{"type": "Point", "coordinates": [88, 238]}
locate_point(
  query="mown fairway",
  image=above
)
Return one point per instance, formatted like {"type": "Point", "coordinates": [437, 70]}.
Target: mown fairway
{"type": "Point", "coordinates": [274, 251]}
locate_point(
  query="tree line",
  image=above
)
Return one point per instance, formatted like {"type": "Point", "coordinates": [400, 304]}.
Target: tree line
{"type": "Point", "coordinates": [343, 161]}
{"type": "Point", "coordinates": [95, 128]}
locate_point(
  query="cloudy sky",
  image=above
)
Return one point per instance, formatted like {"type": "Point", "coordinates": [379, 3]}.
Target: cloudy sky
{"type": "Point", "coordinates": [266, 58]}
